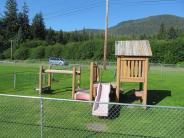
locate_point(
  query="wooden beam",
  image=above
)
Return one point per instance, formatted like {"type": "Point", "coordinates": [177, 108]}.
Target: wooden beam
{"type": "Point", "coordinates": [61, 71]}
{"type": "Point", "coordinates": [128, 69]}
{"type": "Point", "coordinates": [139, 94]}
{"type": "Point", "coordinates": [73, 82]}
{"type": "Point", "coordinates": [145, 87]}
{"type": "Point", "coordinates": [78, 77]}
{"type": "Point", "coordinates": [118, 78]}
{"type": "Point", "coordinates": [132, 79]}
{"type": "Point", "coordinates": [98, 74]}
{"type": "Point", "coordinates": [140, 69]}
{"type": "Point", "coordinates": [91, 81]}
{"type": "Point", "coordinates": [49, 78]}
{"type": "Point", "coordinates": [133, 58]}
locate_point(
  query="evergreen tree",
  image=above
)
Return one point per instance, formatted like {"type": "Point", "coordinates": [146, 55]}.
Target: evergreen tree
{"type": "Point", "coordinates": [66, 37]}
{"type": "Point", "coordinates": [10, 18]}
{"type": "Point", "coordinates": [85, 36]}
{"type": "Point", "coordinates": [60, 37]}
{"type": "Point", "coordinates": [142, 37]}
{"type": "Point", "coordinates": [172, 33]}
{"type": "Point", "coordinates": [20, 35]}
{"type": "Point", "coordinates": [162, 32]}
{"type": "Point", "coordinates": [1, 37]}
{"type": "Point", "coordinates": [38, 27]}
{"type": "Point", "coordinates": [50, 37]}
{"type": "Point", "coordinates": [23, 21]}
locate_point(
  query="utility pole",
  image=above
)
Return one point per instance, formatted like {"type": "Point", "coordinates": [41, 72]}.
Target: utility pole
{"type": "Point", "coordinates": [11, 49]}
{"type": "Point", "coordinates": [106, 34]}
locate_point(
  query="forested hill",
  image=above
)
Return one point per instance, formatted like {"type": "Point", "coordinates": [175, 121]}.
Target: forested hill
{"type": "Point", "coordinates": [21, 39]}
{"type": "Point", "coordinates": [148, 26]}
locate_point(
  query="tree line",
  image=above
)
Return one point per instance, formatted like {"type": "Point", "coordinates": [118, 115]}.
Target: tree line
{"type": "Point", "coordinates": [32, 40]}
{"type": "Point", "coordinates": [15, 25]}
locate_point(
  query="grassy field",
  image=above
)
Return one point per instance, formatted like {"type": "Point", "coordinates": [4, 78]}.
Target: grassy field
{"type": "Point", "coordinates": [21, 117]}
{"type": "Point", "coordinates": [164, 88]}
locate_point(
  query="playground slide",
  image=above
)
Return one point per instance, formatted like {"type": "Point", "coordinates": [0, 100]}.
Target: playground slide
{"type": "Point", "coordinates": [82, 95]}
{"type": "Point", "coordinates": [103, 91]}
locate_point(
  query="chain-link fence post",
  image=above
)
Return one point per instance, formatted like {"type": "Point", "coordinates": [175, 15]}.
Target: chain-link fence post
{"type": "Point", "coordinates": [41, 117]}
{"type": "Point", "coordinates": [14, 79]}
{"type": "Point", "coordinates": [161, 70]}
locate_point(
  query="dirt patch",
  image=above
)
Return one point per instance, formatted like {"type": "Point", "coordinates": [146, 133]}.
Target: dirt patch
{"type": "Point", "coordinates": [97, 127]}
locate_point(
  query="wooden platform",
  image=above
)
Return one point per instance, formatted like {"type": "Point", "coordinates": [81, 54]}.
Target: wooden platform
{"type": "Point", "coordinates": [61, 71]}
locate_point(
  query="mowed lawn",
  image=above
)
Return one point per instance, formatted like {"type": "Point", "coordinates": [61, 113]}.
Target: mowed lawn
{"type": "Point", "coordinates": [164, 88]}
{"type": "Point", "coordinates": [21, 117]}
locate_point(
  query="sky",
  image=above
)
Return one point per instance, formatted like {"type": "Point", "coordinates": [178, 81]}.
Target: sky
{"type": "Point", "coordinates": [70, 15]}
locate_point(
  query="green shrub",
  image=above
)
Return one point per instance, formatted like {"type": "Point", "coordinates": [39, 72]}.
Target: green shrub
{"type": "Point", "coordinates": [54, 51]}
{"type": "Point", "coordinates": [37, 53]}
{"type": "Point", "coordinates": [7, 53]}
{"type": "Point", "coordinates": [21, 53]}
{"type": "Point", "coordinates": [33, 43]}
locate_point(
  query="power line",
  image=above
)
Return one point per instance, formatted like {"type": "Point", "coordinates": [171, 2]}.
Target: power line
{"type": "Point", "coordinates": [73, 11]}
{"type": "Point", "coordinates": [56, 3]}
{"type": "Point", "coordinates": [142, 2]}
{"type": "Point", "coordinates": [55, 12]}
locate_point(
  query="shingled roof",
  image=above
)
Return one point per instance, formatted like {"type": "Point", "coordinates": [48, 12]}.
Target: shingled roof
{"type": "Point", "coordinates": [133, 48]}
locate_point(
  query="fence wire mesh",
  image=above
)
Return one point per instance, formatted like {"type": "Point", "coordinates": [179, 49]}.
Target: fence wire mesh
{"type": "Point", "coordinates": [23, 80]}
{"type": "Point", "coordinates": [19, 117]}
{"type": "Point", "coordinates": [49, 117]}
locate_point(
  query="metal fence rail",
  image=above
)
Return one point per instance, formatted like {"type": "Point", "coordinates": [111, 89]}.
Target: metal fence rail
{"type": "Point", "coordinates": [24, 116]}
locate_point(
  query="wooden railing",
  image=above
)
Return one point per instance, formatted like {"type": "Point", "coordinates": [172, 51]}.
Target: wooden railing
{"type": "Point", "coordinates": [132, 70]}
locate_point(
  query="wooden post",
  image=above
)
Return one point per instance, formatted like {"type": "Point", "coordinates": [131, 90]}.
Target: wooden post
{"type": "Point", "coordinates": [73, 82]}
{"type": "Point", "coordinates": [106, 33]}
{"type": "Point", "coordinates": [98, 74]}
{"type": "Point", "coordinates": [40, 79]}
{"type": "Point", "coordinates": [49, 78]}
{"type": "Point", "coordinates": [145, 87]}
{"type": "Point", "coordinates": [91, 81]}
{"type": "Point", "coordinates": [118, 78]}
{"type": "Point", "coordinates": [79, 78]}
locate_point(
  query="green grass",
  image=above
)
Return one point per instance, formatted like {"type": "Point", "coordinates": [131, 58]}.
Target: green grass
{"type": "Point", "coordinates": [21, 117]}
{"type": "Point", "coordinates": [164, 88]}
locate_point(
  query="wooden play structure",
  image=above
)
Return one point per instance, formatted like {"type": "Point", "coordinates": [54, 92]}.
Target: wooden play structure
{"type": "Point", "coordinates": [77, 92]}
{"type": "Point", "coordinates": [76, 76]}
{"type": "Point", "coordinates": [83, 94]}
{"type": "Point", "coordinates": [132, 65]}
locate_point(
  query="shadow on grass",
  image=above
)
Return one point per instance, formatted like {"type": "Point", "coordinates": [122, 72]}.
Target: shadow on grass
{"type": "Point", "coordinates": [114, 112]}
{"type": "Point", "coordinates": [56, 91]}
{"type": "Point", "coordinates": [154, 96]}
{"type": "Point", "coordinates": [128, 97]}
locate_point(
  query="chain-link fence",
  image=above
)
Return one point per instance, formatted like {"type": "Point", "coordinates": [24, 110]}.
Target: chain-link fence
{"type": "Point", "coordinates": [14, 80]}
{"type": "Point", "coordinates": [21, 81]}
{"type": "Point", "coordinates": [22, 116]}
{"type": "Point", "coordinates": [18, 80]}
